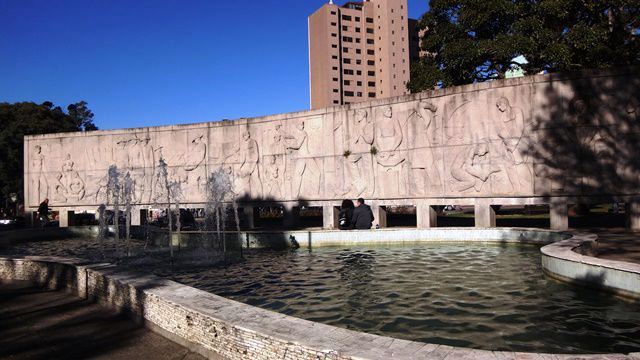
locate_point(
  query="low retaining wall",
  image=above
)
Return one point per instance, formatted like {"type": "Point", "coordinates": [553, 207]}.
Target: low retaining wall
{"type": "Point", "coordinates": [560, 260]}
{"type": "Point", "coordinates": [221, 328]}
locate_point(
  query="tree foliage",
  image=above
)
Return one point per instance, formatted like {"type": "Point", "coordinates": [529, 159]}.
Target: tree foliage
{"type": "Point", "coordinates": [28, 118]}
{"type": "Point", "coordinates": [467, 41]}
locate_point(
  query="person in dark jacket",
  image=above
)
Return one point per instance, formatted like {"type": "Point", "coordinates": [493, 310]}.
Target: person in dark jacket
{"type": "Point", "coordinates": [362, 216]}
{"type": "Point", "coordinates": [43, 212]}
{"type": "Point", "coordinates": [345, 215]}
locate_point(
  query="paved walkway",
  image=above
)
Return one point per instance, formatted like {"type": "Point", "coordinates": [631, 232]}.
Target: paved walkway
{"type": "Point", "coordinates": [45, 324]}
{"type": "Point", "coordinates": [618, 244]}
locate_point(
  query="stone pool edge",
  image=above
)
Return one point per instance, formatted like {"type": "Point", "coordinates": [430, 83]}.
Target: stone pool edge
{"type": "Point", "coordinates": [561, 260]}
{"type": "Point", "coordinates": [221, 328]}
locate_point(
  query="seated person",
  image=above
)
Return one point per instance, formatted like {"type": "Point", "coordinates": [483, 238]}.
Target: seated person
{"type": "Point", "coordinates": [346, 214]}
{"type": "Point", "coordinates": [362, 216]}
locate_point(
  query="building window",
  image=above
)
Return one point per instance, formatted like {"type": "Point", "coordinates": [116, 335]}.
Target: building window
{"type": "Point", "coordinates": [333, 13]}
{"type": "Point", "coordinates": [335, 68]}
{"type": "Point", "coordinates": [345, 28]}
{"type": "Point", "coordinates": [335, 90]}
{"type": "Point", "coordinates": [357, 29]}
{"type": "Point", "coordinates": [333, 24]}
{"type": "Point", "coordinates": [370, 20]}
{"type": "Point", "coordinates": [359, 83]}
{"type": "Point", "coordinates": [334, 56]}
{"type": "Point", "coordinates": [336, 102]}
{"type": "Point", "coordinates": [358, 40]}
{"type": "Point", "coordinates": [372, 94]}
{"type": "Point", "coordinates": [334, 35]}
{"type": "Point", "coordinates": [347, 61]}
{"type": "Point", "coordinates": [357, 18]}
{"type": "Point", "coordinates": [370, 41]}
{"type": "Point", "coordinates": [394, 87]}
{"type": "Point", "coordinates": [371, 62]}
{"type": "Point", "coordinates": [371, 73]}
{"type": "Point", "coordinates": [345, 49]}
{"type": "Point", "coordinates": [348, 93]}
{"type": "Point", "coordinates": [371, 52]}
{"type": "Point", "coordinates": [347, 103]}
{"type": "Point", "coordinates": [358, 51]}
{"type": "Point", "coordinates": [348, 72]}
{"type": "Point", "coordinates": [346, 17]}
{"type": "Point", "coordinates": [358, 62]}
{"type": "Point", "coordinates": [371, 83]}
{"type": "Point", "coordinates": [335, 79]}
{"type": "Point", "coordinates": [359, 94]}
{"type": "Point", "coordinates": [347, 39]}
{"type": "Point", "coordinates": [347, 82]}
{"type": "Point", "coordinates": [334, 46]}
{"type": "Point", "coordinates": [359, 72]}
{"type": "Point", "coordinates": [369, 31]}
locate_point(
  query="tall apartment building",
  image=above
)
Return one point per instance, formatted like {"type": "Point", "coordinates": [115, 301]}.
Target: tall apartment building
{"type": "Point", "coordinates": [360, 51]}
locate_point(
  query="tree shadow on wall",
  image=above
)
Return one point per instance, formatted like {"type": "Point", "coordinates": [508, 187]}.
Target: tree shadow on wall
{"type": "Point", "coordinates": [585, 138]}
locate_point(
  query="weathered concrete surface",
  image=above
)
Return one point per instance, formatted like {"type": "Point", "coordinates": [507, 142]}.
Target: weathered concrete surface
{"type": "Point", "coordinates": [517, 141]}
{"type": "Point", "coordinates": [53, 324]}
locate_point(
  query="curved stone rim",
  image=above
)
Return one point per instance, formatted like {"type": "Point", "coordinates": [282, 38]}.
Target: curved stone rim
{"type": "Point", "coordinates": [561, 261]}
{"type": "Point", "coordinates": [219, 327]}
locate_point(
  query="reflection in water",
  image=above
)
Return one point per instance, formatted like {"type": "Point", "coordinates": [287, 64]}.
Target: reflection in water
{"type": "Point", "coordinates": [476, 295]}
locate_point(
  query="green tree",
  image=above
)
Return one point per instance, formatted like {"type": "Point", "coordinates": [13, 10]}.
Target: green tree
{"type": "Point", "coordinates": [28, 118]}
{"type": "Point", "coordinates": [467, 41]}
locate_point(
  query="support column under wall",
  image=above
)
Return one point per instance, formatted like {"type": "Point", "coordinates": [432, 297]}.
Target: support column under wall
{"type": "Point", "coordinates": [485, 215]}
{"type": "Point", "coordinates": [136, 217]}
{"type": "Point", "coordinates": [559, 214]}
{"type": "Point", "coordinates": [65, 218]}
{"type": "Point", "coordinates": [632, 211]}
{"type": "Point", "coordinates": [248, 213]}
{"type": "Point", "coordinates": [380, 216]}
{"type": "Point", "coordinates": [330, 217]}
{"type": "Point", "coordinates": [426, 215]}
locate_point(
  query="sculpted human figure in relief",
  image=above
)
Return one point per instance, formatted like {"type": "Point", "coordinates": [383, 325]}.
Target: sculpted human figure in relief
{"type": "Point", "coordinates": [388, 138]}
{"type": "Point", "coordinates": [423, 159]}
{"type": "Point", "coordinates": [39, 180]}
{"type": "Point", "coordinates": [306, 175]}
{"type": "Point", "coordinates": [511, 129]}
{"type": "Point", "coordinates": [360, 161]}
{"type": "Point", "coordinates": [248, 171]}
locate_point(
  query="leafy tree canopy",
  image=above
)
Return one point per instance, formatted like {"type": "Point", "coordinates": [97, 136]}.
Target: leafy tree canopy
{"type": "Point", "coordinates": [467, 41]}
{"type": "Point", "coordinates": [28, 118]}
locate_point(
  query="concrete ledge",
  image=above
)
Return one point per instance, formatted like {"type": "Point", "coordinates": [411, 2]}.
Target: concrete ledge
{"type": "Point", "coordinates": [221, 328]}
{"type": "Point", "coordinates": [560, 260]}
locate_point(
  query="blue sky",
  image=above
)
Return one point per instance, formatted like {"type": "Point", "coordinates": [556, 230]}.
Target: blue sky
{"type": "Point", "coordinates": [143, 63]}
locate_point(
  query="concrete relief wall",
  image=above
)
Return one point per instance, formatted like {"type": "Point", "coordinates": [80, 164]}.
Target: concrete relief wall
{"type": "Point", "coordinates": [529, 137]}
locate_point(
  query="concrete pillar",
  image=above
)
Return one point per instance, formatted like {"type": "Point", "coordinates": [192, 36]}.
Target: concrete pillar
{"type": "Point", "coordinates": [249, 217]}
{"type": "Point", "coordinates": [136, 216]}
{"type": "Point", "coordinates": [380, 216]}
{"type": "Point", "coordinates": [485, 215]}
{"type": "Point", "coordinates": [65, 218]}
{"type": "Point", "coordinates": [632, 211]}
{"type": "Point", "coordinates": [330, 217]}
{"type": "Point", "coordinates": [426, 215]}
{"type": "Point", "coordinates": [290, 216]}
{"type": "Point", "coordinates": [559, 214]}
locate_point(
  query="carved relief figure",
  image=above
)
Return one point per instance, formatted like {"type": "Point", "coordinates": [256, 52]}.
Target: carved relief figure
{"type": "Point", "coordinates": [306, 174]}
{"type": "Point", "coordinates": [423, 159]}
{"type": "Point", "coordinates": [272, 176]}
{"type": "Point", "coordinates": [513, 144]}
{"type": "Point", "coordinates": [195, 167]}
{"type": "Point", "coordinates": [248, 170]}
{"type": "Point", "coordinates": [471, 168]}
{"type": "Point", "coordinates": [69, 186]}
{"type": "Point", "coordinates": [39, 181]}
{"type": "Point", "coordinates": [361, 170]}
{"type": "Point", "coordinates": [388, 137]}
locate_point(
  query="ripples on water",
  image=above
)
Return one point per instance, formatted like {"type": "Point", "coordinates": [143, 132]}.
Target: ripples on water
{"type": "Point", "coordinates": [474, 295]}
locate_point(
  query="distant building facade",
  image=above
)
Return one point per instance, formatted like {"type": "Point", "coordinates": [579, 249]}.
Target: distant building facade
{"type": "Point", "coordinates": [360, 51]}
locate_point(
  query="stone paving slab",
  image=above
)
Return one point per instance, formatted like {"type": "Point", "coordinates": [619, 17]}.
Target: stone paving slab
{"type": "Point", "coordinates": [46, 324]}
